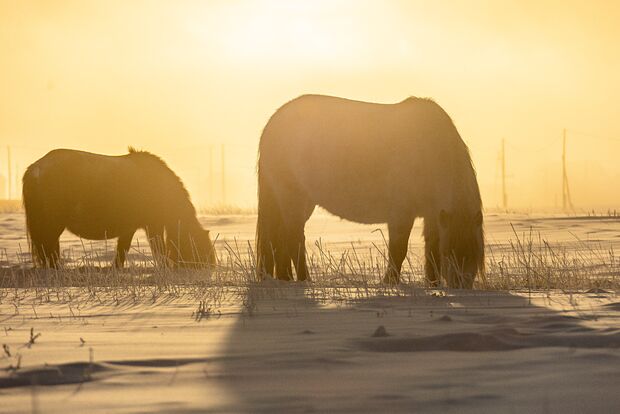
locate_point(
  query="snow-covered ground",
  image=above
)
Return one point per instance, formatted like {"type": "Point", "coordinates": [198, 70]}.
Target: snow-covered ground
{"type": "Point", "coordinates": [288, 347]}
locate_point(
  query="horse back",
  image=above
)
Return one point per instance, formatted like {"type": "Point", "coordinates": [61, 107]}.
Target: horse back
{"type": "Point", "coordinates": [359, 160]}
{"type": "Point", "coordinates": [95, 196]}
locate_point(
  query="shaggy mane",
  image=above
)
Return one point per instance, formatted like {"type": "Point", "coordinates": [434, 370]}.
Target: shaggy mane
{"type": "Point", "coordinates": [145, 155]}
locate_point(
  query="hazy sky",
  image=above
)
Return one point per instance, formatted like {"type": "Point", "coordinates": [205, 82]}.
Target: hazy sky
{"type": "Point", "coordinates": [176, 77]}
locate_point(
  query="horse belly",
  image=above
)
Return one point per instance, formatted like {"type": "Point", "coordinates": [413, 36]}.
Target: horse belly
{"type": "Point", "coordinates": [94, 225]}
{"type": "Point", "coordinates": [93, 231]}
{"type": "Point", "coordinates": [354, 207]}
{"type": "Point", "coordinates": [357, 200]}
{"type": "Point", "coordinates": [367, 216]}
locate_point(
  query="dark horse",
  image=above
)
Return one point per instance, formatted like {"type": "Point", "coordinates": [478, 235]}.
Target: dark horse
{"type": "Point", "coordinates": [369, 163]}
{"type": "Point", "coordinates": [99, 197]}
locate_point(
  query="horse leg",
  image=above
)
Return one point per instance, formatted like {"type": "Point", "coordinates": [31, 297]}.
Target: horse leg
{"type": "Point", "coordinates": [432, 265]}
{"type": "Point", "coordinates": [44, 231]}
{"type": "Point", "coordinates": [399, 232]}
{"type": "Point", "coordinates": [155, 236]}
{"type": "Point", "coordinates": [266, 256]}
{"type": "Point", "coordinates": [37, 244]}
{"type": "Point", "coordinates": [268, 227]}
{"type": "Point", "coordinates": [47, 248]}
{"type": "Point", "coordinates": [296, 241]}
{"type": "Point", "coordinates": [54, 251]}
{"type": "Point", "coordinates": [172, 244]}
{"type": "Point", "coordinates": [284, 270]}
{"type": "Point", "coordinates": [122, 247]}
{"type": "Point", "coordinates": [290, 246]}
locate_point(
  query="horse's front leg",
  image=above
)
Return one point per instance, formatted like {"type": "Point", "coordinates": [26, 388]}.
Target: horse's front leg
{"type": "Point", "coordinates": [122, 247]}
{"type": "Point", "coordinates": [399, 231]}
{"type": "Point", "coordinates": [155, 236]}
{"type": "Point", "coordinates": [432, 265]}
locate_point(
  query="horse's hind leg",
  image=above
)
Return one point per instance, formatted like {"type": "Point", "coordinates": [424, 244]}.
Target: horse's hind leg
{"type": "Point", "coordinates": [282, 214]}
{"type": "Point", "coordinates": [46, 247]}
{"type": "Point", "coordinates": [44, 231]}
{"type": "Point", "coordinates": [284, 269]}
{"type": "Point", "coordinates": [266, 257]}
{"type": "Point", "coordinates": [432, 265]}
{"type": "Point", "coordinates": [297, 251]}
{"type": "Point", "coordinates": [268, 228]}
{"type": "Point", "coordinates": [44, 253]}
{"type": "Point", "coordinates": [399, 231]}
{"type": "Point", "coordinates": [53, 247]}
{"type": "Point", "coordinates": [267, 235]}
{"type": "Point", "coordinates": [296, 241]}
{"type": "Point", "coordinates": [37, 244]}
{"type": "Point", "coordinates": [122, 247]}
{"type": "Point", "coordinates": [280, 241]}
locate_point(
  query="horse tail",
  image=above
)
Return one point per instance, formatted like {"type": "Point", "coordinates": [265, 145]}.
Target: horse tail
{"type": "Point", "coordinates": [32, 204]}
{"type": "Point", "coordinates": [267, 227]}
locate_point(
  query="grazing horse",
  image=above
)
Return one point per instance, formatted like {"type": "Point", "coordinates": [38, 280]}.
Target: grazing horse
{"type": "Point", "coordinates": [99, 197]}
{"type": "Point", "coordinates": [369, 163]}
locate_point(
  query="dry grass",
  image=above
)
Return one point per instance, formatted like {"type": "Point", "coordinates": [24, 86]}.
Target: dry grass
{"type": "Point", "coordinates": [227, 210]}
{"type": "Point", "coordinates": [525, 263]}
{"type": "Point", "coordinates": [533, 263]}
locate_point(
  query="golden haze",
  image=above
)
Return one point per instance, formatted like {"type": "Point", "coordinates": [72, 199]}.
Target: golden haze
{"type": "Point", "coordinates": [181, 78]}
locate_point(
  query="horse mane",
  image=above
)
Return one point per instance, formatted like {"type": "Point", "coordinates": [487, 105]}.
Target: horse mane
{"type": "Point", "coordinates": [466, 202]}
{"type": "Point", "coordinates": [153, 161]}
{"type": "Point", "coordinates": [466, 199]}
{"type": "Point", "coordinates": [463, 170]}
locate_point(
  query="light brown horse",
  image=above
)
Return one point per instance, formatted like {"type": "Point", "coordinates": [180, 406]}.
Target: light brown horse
{"type": "Point", "coordinates": [100, 197]}
{"type": "Point", "coordinates": [369, 163]}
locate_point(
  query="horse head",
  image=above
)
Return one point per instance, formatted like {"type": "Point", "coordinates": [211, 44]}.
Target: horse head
{"type": "Point", "coordinates": [461, 246]}
{"type": "Point", "coordinates": [192, 249]}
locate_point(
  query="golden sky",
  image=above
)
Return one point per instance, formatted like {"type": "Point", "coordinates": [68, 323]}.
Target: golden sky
{"type": "Point", "coordinates": [176, 77]}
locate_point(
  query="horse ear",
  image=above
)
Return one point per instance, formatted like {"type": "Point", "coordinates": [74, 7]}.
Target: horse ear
{"type": "Point", "coordinates": [478, 219]}
{"type": "Point", "coordinates": [444, 218]}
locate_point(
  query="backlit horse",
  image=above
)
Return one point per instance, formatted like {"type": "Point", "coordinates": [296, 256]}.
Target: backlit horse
{"type": "Point", "coordinates": [369, 163]}
{"type": "Point", "coordinates": [100, 197]}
